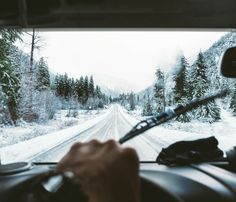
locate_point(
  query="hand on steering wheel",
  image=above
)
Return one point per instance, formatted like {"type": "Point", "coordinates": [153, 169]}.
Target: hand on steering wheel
{"type": "Point", "coordinates": [105, 171]}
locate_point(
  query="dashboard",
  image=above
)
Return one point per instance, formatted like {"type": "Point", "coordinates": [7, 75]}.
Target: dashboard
{"type": "Point", "coordinates": [194, 183]}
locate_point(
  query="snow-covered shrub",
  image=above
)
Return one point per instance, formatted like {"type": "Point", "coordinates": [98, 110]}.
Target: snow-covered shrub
{"type": "Point", "coordinates": [4, 113]}
{"type": "Point", "coordinates": [148, 109]}
{"type": "Point", "coordinates": [44, 106]}
{"type": "Point", "coordinates": [52, 105]}
{"type": "Point", "coordinates": [73, 106]}
{"type": "Point", "coordinates": [72, 113]}
{"type": "Point", "coordinates": [69, 122]}
{"type": "Point", "coordinates": [94, 103]}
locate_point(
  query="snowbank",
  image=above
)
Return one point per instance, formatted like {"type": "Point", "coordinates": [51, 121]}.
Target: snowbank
{"type": "Point", "coordinates": [224, 130]}
{"type": "Point", "coordinates": [24, 131]}
{"type": "Point", "coordinates": [25, 150]}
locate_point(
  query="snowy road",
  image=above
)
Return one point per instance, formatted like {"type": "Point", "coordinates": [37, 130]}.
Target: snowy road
{"type": "Point", "coordinates": [114, 125]}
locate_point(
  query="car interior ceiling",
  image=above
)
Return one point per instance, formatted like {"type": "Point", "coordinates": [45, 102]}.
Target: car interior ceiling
{"type": "Point", "coordinates": [126, 14]}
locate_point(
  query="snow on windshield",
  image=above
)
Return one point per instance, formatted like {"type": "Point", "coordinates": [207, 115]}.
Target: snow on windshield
{"type": "Point", "coordinates": [57, 88]}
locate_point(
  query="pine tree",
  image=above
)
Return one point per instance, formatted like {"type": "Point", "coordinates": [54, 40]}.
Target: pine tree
{"type": "Point", "coordinates": [73, 88]}
{"type": "Point", "coordinates": [159, 93]}
{"type": "Point", "coordinates": [66, 86]}
{"type": "Point", "coordinates": [200, 87]}
{"type": "Point", "coordinates": [70, 87]}
{"type": "Point", "coordinates": [42, 76]}
{"type": "Point", "coordinates": [181, 89]}
{"type": "Point", "coordinates": [9, 81]}
{"type": "Point", "coordinates": [98, 92]}
{"type": "Point", "coordinates": [86, 89]}
{"type": "Point", "coordinates": [4, 113]}
{"type": "Point", "coordinates": [147, 109]}
{"type": "Point", "coordinates": [80, 90]}
{"type": "Point", "coordinates": [132, 101]}
{"type": "Point", "coordinates": [110, 100]}
{"type": "Point", "coordinates": [76, 87]}
{"type": "Point", "coordinates": [233, 100]}
{"type": "Point", "coordinates": [200, 81]}
{"type": "Point", "coordinates": [60, 86]}
{"type": "Point", "coordinates": [29, 111]}
{"type": "Point", "coordinates": [91, 87]}
{"type": "Point", "coordinates": [56, 85]}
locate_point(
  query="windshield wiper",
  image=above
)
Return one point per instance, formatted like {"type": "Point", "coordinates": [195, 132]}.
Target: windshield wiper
{"type": "Point", "coordinates": [168, 115]}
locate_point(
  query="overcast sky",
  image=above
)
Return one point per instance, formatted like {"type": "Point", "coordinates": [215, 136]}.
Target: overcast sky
{"type": "Point", "coordinates": [129, 55]}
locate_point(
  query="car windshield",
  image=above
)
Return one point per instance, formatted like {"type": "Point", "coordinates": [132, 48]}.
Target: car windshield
{"type": "Point", "coordinates": [58, 87]}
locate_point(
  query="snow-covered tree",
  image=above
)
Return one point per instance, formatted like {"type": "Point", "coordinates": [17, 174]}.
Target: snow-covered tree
{"type": "Point", "coordinates": [66, 86]}
{"type": "Point", "coordinates": [98, 92]}
{"type": "Point", "coordinates": [73, 88]}
{"type": "Point", "coordinates": [83, 90]}
{"type": "Point", "coordinates": [233, 100]}
{"type": "Point", "coordinates": [181, 89]}
{"type": "Point", "coordinates": [200, 87]}
{"type": "Point", "coordinates": [4, 113]}
{"type": "Point", "coordinates": [131, 101]}
{"type": "Point", "coordinates": [80, 89]}
{"type": "Point", "coordinates": [91, 87]}
{"type": "Point", "coordinates": [159, 91]}
{"type": "Point", "coordinates": [42, 76]}
{"type": "Point", "coordinates": [59, 85]}
{"type": "Point", "coordinates": [9, 79]}
{"type": "Point", "coordinates": [28, 113]}
{"type": "Point", "coordinates": [147, 109]}
{"type": "Point", "coordinates": [86, 87]}
{"type": "Point", "coordinates": [45, 105]}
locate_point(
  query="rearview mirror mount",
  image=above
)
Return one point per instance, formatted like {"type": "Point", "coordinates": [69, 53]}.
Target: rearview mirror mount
{"type": "Point", "coordinates": [228, 63]}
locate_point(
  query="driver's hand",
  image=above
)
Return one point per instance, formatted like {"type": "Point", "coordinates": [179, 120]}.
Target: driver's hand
{"type": "Point", "coordinates": [106, 171]}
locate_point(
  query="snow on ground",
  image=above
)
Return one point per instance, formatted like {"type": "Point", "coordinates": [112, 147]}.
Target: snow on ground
{"type": "Point", "coordinates": [157, 138]}
{"type": "Point", "coordinates": [24, 151]}
{"type": "Point", "coordinates": [25, 131]}
{"type": "Point", "coordinates": [170, 132]}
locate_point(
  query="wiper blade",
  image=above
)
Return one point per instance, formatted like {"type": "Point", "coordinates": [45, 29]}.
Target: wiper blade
{"type": "Point", "coordinates": [168, 115]}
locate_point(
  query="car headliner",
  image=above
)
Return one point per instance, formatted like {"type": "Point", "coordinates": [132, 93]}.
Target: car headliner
{"type": "Point", "coordinates": [119, 13]}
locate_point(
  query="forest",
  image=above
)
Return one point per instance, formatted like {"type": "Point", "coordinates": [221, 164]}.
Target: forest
{"type": "Point", "coordinates": [186, 82]}
{"type": "Point", "coordinates": [30, 92]}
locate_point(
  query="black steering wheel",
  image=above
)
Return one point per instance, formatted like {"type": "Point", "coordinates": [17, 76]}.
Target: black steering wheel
{"type": "Point", "coordinates": [33, 190]}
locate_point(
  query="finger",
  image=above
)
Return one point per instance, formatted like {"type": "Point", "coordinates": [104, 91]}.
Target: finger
{"type": "Point", "coordinates": [111, 144]}
{"type": "Point", "coordinates": [76, 146]}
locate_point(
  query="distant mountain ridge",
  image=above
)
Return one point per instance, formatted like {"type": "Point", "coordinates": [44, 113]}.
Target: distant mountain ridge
{"type": "Point", "coordinates": [113, 86]}
{"type": "Point", "coordinates": [212, 56]}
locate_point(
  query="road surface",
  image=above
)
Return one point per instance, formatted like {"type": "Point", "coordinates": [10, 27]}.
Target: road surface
{"type": "Point", "coordinates": [112, 126]}
{"type": "Point", "coordinates": [114, 123]}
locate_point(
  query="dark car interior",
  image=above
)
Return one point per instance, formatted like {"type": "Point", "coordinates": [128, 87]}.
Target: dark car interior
{"type": "Point", "coordinates": [126, 14]}
{"type": "Point", "coordinates": [206, 181]}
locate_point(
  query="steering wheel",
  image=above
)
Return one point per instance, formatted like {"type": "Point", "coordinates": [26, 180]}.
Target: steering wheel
{"type": "Point", "coordinates": [33, 190]}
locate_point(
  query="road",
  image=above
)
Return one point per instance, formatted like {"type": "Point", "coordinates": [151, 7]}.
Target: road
{"type": "Point", "coordinates": [113, 123]}
{"type": "Point", "coordinates": [113, 126]}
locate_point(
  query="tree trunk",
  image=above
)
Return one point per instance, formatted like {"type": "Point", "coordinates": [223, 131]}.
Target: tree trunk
{"type": "Point", "coordinates": [12, 112]}
{"type": "Point", "coordinates": [30, 116]}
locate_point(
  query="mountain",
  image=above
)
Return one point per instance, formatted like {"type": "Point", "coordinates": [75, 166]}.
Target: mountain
{"type": "Point", "coordinates": [113, 86]}
{"type": "Point", "coordinates": [149, 91]}
{"type": "Point", "coordinates": [212, 57]}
